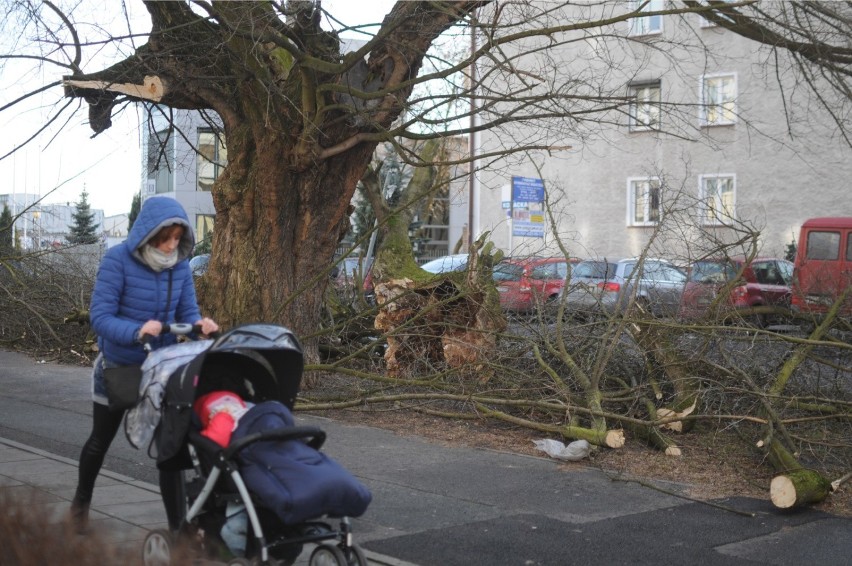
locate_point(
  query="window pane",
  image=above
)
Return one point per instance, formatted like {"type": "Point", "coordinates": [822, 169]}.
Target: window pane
{"type": "Point", "coordinates": [823, 245]}
{"type": "Point", "coordinates": [654, 202]}
{"type": "Point", "coordinates": [719, 100]}
{"type": "Point", "coordinates": [718, 199]}
{"type": "Point", "coordinates": [211, 159]}
{"type": "Point", "coordinates": [639, 206]}
{"type": "Point", "coordinates": [648, 24]}
{"type": "Point", "coordinates": [507, 272]}
{"type": "Point", "coordinates": [645, 107]}
{"type": "Point", "coordinates": [646, 197]}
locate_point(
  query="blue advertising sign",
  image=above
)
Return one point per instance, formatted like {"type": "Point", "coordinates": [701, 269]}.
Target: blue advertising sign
{"type": "Point", "coordinates": [527, 205]}
{"type": "Point", "coordinates": [527, 189]}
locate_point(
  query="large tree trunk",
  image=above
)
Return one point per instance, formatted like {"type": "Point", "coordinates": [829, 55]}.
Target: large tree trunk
{"type": "Point", "coordinates": [276, 233]}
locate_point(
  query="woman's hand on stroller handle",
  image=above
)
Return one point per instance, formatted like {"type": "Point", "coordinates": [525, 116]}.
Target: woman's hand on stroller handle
{"type": "Point", "coordinates": [178, 328]}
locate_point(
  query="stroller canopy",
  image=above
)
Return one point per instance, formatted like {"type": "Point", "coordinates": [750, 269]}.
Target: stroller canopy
{"type": "Point", "coordinates": [268, 356]}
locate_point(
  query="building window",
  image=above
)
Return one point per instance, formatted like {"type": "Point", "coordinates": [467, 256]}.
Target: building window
{"type": "Point", "coordinates": [204, 227]}
{"type": "Point", "coordinates": [649, 24]}
{"type": "Point", "coordinates": [718, 100]}
{"type": "Point", "coordinates": [161, 150]}
{"type": "Point", "coordinates": [705, 23]}
{"type": "Point", "coordinates": [645, 106]}
{"type": "Point", "coordinates": [211, 160]}
{"type": "Point", "coordinates": [643, 201]}
{"type": "Point", "coordinates": [717, 198]}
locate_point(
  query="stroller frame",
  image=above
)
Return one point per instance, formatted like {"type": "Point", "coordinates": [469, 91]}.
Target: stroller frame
{"type": "Point", "coordinates": [225, 464]}
{"type": "Point", "coordinates": [251, 351]}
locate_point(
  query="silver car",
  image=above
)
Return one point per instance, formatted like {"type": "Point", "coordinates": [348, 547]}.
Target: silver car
{"type": "Point", "coordinates": [607, 287]}
{"type": "Point", "coordinates": [455, 262]}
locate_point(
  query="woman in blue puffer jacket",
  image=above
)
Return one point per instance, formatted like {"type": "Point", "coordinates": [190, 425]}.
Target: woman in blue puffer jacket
{"type": "Point", "coordinates": [142, 283]}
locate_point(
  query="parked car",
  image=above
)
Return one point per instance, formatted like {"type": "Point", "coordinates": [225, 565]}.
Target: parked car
{"type": "Point", "coordinates": [765, 281]}
{"type": "Point", "coordinates": [610, 287]}
{"type": "Point", "coordinates": [823, 266]}
{"type": "Point", "coordinates": [349, 269]}
{"type": "Point", "coordinates": [584, 291]}
{"type": "Point", "coordinates": [198, 264]}
{"type": "Point", "coordinates": [454, 262]}
{"type": "Point", "coordinates": [352, 271]}
{"type": "Point", "coordinates": [524, 284]}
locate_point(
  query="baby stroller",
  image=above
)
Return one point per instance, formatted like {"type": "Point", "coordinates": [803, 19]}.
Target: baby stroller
{"type": "Point", "coordinates": [232, 489]}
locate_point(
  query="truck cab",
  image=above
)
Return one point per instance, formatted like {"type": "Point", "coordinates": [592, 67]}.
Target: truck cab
{"type": "Point", "coordinates": [823, 266]}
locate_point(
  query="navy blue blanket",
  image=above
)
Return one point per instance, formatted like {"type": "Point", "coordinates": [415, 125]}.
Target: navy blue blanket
{"type": "Point", "coordinates": [291, 478]}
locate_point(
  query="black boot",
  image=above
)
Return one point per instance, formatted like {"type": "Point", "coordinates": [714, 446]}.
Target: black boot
{"type": "Point", "coordinates": [80, 514]}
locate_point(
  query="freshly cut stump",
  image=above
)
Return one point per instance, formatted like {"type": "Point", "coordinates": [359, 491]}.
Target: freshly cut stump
{"type": "Point", "coordinates": [798, 488]}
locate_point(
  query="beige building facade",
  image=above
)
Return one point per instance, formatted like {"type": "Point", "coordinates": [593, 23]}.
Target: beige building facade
{"type": "Point", "coordinates": [712, 143]}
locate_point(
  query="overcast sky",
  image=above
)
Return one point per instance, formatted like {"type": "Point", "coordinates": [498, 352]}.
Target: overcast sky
{"type": "Point", "coordinates": [59, 166]}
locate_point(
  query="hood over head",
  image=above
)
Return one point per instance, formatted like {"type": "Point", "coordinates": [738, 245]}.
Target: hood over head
{"type": "Point", "coordinates": [156, 214]}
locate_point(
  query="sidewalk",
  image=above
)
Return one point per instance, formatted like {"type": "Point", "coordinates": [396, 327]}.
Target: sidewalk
{"type": "Point", "coordinates": [123, 510]}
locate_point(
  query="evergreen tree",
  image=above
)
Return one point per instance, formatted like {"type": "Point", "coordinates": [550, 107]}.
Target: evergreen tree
{"type": "Point", "coordinates": [363, 218]}
{"type": "Point", "coordinates": [790, 252]}
{"type": "Point", "coordinates": [6, 240]}
{"type": "Point", "coordinates": [135, 205]}
{"type": "Point", "coordinates": [83, 230]}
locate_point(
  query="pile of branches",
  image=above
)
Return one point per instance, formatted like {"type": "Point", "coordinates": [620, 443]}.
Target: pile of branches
{"type": "Point", "coordinates": [44, 297]}
{"type": "Point", "coordinates": [633, 378]}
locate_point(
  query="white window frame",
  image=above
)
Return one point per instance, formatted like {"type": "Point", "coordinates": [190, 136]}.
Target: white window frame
{"type": "Point", "coordinates": [705, 23]}
{"type": "Point", "coordinates": [645, 110]}
{"type": "Point", "coordinates": [722, 112]}
{"type": "Point", "coordinates": [709, 210]}
{"type": "Point", "coordinates": [645, 184]}
{"type": "Point", "coordinates": [643, 26]}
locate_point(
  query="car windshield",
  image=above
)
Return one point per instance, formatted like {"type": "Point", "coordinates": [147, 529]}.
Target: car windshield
{"type": "Point", "coordinates": [507, 272]}
{"type": "Point", "coordinates": [593, 269]}
{"type": "Point", "coordinates": [712, 272]}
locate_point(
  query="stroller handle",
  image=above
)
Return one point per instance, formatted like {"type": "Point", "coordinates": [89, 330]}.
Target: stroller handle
{"type": "Point", "coordinates": [177, 328]}
{"type": "Point", "coordinates": [315, 435]}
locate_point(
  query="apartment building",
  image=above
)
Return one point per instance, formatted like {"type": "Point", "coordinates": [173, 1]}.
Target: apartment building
{"type": "Point", "coordinates": [713, 139]}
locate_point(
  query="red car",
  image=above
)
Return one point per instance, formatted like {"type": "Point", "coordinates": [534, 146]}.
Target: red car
{"type": "Point", "coordinates": [764, 282]}
{"type": "Point", "coordinates": [526, 283]}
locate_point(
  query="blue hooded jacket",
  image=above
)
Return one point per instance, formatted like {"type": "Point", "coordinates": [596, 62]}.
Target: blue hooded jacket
{"type": "Point", "coordinates": [128, 293]}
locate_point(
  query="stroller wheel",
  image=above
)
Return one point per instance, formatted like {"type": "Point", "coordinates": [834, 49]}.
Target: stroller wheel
{"type": "Point", "coordinates": [354, 556]}
{"type": "Point", "coordinates": [156, 550]}
{"type": "Point", "coordinates": [327, 555]}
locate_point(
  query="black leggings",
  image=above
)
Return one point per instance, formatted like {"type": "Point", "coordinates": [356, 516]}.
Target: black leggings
{"type": "Point", "coordinates": [105, 425]}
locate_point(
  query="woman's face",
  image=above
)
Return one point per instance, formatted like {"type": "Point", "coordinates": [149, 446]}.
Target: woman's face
{"type": "Point", "coordinates": [167, 239]}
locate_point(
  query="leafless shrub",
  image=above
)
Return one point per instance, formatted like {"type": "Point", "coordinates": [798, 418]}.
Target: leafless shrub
{"type": "Point", "coordinates": [44, 298]}
{"type": "Point", "coordinates": [31, 533]}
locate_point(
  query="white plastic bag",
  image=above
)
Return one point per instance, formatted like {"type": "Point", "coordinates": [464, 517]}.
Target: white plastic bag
{"type": "Point", "coordinates": [577, 450]}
